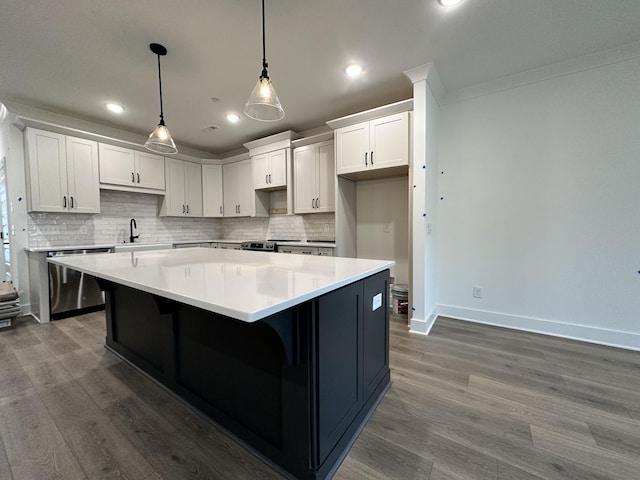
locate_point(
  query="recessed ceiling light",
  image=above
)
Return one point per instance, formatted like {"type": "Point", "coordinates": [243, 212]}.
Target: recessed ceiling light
{"type": "Point", "coordinates": [115, 108]}
{"type": "Point", "coordinates": [354, 70]}
{"type": "Point", "coordinates": [233, 117]}
{"type": "Point", "coordinates": [448, 3]}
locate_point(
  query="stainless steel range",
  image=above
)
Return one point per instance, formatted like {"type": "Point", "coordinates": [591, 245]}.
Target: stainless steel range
{"type": "Point", "coordinates": [259, 246]}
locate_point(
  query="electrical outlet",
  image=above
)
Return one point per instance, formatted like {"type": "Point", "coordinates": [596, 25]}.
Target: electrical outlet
{"type": "Point", "coordinates": [477, 292]}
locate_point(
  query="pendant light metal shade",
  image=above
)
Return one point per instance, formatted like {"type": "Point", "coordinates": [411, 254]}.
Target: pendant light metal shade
{"type": "Point", "coordinates": [160, 140]}
{"type": "Point", "coordinates": [263, 103]}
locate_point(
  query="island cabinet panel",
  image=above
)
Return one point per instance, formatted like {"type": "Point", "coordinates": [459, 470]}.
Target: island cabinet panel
{"type": "Point", "coordinates": [296, 386]}
{"type": "Point", "coordinates": [221, 364]}
{"type": "Point", "coordinates": [339, 380]}
{"type": "Point", "coordinates": [375, 332]}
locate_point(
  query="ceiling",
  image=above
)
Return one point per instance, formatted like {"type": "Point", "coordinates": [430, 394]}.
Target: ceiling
{"type": "Point", "coordinates": [73, 56]}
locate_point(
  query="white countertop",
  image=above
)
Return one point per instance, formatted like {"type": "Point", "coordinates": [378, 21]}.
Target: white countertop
{"type": "Point", "coordinates": [245, 285]}
{"type": "Point", "coordinates": [177, 242]}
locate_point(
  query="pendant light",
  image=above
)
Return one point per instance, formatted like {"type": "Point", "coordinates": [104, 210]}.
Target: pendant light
{"type": "Point", "coordinates": [160, 140]}
{"type": "Point", "coordinates": [263, 103]}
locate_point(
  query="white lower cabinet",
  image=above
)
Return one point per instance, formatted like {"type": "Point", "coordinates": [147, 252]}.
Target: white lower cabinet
{"type": "Point", "coordinates": [183, 195]}
{"type": "Point", "coordinates": [62, 173]}
{"type": "Point", "coordinates": [212, 191]}
{"type": "Point", "coordinates": [229, 246]}
{"type": "Point", "coordinates": [321, 251]}
{"type": "Point", "coordinates": [314, 178]}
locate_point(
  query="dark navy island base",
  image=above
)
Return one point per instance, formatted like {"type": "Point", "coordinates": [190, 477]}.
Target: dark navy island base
{"type": "Point", "coordinates": [297, 387]}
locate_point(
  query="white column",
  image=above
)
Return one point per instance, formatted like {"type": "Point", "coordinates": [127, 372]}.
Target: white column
{"type": "Point", "coordinates": [423, 198]}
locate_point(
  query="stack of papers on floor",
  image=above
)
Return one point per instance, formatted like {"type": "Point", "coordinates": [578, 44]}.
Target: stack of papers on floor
{"type": "Point", "coordinates": [9, 305]}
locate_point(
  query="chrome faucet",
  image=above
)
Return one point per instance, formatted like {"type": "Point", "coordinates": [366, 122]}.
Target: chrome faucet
{"type": "Point", "coordinates": [132, 225]}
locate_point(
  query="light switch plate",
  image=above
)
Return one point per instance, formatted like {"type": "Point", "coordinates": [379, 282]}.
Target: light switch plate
{"type": "Point", "coordinates": [377, 302]}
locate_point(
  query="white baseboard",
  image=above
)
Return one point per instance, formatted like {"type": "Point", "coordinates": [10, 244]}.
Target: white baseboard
{"type": "Point", "coordinates": [423, 326]}
{"type": "Point", "coordinates": [601, 336]}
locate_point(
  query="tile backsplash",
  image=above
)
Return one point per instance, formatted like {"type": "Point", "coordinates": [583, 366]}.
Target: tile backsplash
{"type": "Point", "coordinates": [117, 208]}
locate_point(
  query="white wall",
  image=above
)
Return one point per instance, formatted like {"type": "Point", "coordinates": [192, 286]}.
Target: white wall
{"type": "Point", "coordinates": [541, 206]}
{"type": "Point", "coordinates": [383, 222]}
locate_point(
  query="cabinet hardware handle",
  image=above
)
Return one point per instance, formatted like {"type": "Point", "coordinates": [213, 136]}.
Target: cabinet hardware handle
{"type": "Point", "coordinates": [187, 209]}
{"type": "Point", "coordinates": [64, 201]}
{"type": "Point", "coordinates": [266, 178]}
{"type": "Point", "coordinates": [220, 209]}
{"type": "Point", "coordinates": [313, 203]}
{"type": "Point", "coordinates": [133, 178]}
{"type": "Point", "coordinates": [270, 179]}
{"type": "Point", "coordinates": [317, 203]}
{"type": "Point", "coordinates": [371, 158]}
{"type": "Point", "coordinates": [365, 158]}
{"type": "Point", "coordinates": [138, 175]}
{"type": "Point", "coordinates": [71, 198]}
{"type": "Point", "coordinates": [182, 208]}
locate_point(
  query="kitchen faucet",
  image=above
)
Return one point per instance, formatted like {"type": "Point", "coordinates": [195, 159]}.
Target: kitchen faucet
{"type": "Point", "coordinates": [132, 225]}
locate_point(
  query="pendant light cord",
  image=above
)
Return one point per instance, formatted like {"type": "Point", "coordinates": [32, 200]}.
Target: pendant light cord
{"type": "Point", "coordinates": [160, 84]}
{"type": "Point", "coordinates": [264, 49]}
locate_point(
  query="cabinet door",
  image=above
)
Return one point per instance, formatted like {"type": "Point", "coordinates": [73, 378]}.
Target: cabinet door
{"type": "Point", "coordinates": [230, 190]}
{"type": "Point", "coordinates": [352, 148]}
{"type": "Point", "coordinates": [246, 193]}
{"type": "Point", "coordinates": [193, 189]}
{"type": "Point", "coordinates": [375, 331]}
{"type": "Point", "coordinates": [260, 169]}
{"type": "Point", "coordinates": [117, 165]}
{"type": "Point", "coordinates": [278, 168]}
{"type": "Point", "coordinates": [212, 197]}
{"type": "Point", "coordinates": [326, 178]}
{"type": "Point", "coordinates": [149, 170]}
{"type": "Point", "coordinates": [47, 167]}
{"type": "Point", "coordinates": [339, 386]}
{"type": "Point", "coordinates": [389, 141]}
{"type": "Point", "coordinates": [174, 199]}
{"type": "Point", "coordinates": [304, 175]}
{"type": "Point", "coordinates": [82, 175]}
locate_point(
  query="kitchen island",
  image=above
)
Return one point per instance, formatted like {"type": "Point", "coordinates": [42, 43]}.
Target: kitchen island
{"type": "Point", "coordinates": [289, 353]}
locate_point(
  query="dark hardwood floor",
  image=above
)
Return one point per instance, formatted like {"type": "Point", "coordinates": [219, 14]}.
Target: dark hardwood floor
{"type": "Point", "coordinates": [467, 402]}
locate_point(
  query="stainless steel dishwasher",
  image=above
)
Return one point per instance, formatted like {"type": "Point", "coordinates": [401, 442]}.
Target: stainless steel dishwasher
{"type": "Point", "coordinates": [72, 292]}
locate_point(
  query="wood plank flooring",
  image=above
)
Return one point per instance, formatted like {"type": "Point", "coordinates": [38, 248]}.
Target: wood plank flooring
{"type": "Point", "coordinates": [467, 402]}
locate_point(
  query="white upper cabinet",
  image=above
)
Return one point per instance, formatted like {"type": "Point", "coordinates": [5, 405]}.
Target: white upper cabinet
{"type": "Point", "coordinates": [62, 173]}
{"type": "Point", "coordinates": [82, 175]}
{"type": "Point", "coordinates": [314, 178]}
{"type": "Point", "coordinates": [212, 191]}
{"type": "Point", "coordinates": [134, 170]}
{"type": "Point", "coordinates": [240, 198]}
{"type": "Point", "coordinates": [270, 170]}
{"type": "Point", "coordinates": [183, 196]}
{"type": "Point", "coordinates": [372, 145]}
